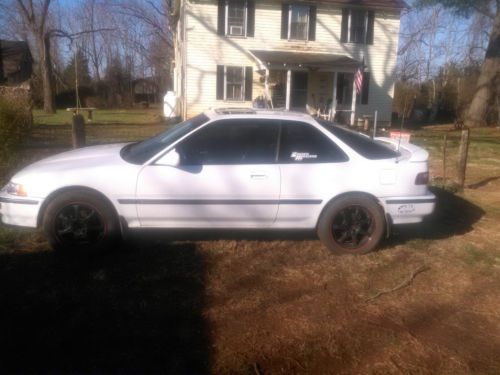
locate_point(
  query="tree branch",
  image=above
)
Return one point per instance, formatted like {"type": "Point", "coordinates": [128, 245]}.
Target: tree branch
{"type": "Point", "coordinates": [45, 11]}
{"type": "Point", "coordinates": [402, 285]}
{"type": "Point", "coordinates": [58, 33]}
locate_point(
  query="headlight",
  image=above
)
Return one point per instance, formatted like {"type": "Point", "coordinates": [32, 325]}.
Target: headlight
{"type": "Point", "coordinates": [15, 189]}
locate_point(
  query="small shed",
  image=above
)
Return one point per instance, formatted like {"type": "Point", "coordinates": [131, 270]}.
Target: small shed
{"type": "Point", "coordinates": [146, 90]}
{"type": "Point", "coordinates": [16, 63]}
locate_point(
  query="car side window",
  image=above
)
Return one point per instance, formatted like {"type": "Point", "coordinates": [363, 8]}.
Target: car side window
{"type": "Point", "coordinates": [302, 143]}
{"type": "Point", "coordinates": [234, 141]}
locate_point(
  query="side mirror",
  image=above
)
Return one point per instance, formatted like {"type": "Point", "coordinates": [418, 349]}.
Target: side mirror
{"type": "Point", "coordinates": [171, 159]}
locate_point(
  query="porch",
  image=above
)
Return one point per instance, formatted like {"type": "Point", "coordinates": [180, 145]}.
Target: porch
{"type": "Point", "coordinates": [321, 84]}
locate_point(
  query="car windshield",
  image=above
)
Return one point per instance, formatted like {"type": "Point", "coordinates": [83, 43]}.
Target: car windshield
{"type": "Point", "coordinates": [139, 153]}
{"type": "Point", "coordinates": [360, 143]}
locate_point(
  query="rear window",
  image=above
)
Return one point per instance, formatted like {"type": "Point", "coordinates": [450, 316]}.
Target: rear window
{"type": "Point", "coordinates": [363, 145]}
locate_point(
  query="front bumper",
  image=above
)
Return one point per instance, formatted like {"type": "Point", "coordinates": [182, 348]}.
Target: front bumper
{"type": "Point", "coordinates": [19, 211]}
{"type": "Point", "coordinates": [407, 210]}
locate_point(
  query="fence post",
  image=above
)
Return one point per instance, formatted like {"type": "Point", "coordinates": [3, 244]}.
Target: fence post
{"type": "Point", "coordinates": [445, 149]}
{"type": "Point", "coordinates": [462, 156]}
{"type": "Point", "coordinates": [78, 131]}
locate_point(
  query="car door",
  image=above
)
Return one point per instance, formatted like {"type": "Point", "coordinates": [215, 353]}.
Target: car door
{"type": "Point", "coordinates": [313, 169]}
{"type": "Point", "coordinates": [227, 177]}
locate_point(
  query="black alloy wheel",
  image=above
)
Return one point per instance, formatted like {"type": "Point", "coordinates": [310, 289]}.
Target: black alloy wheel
{"type": "Point", "coordinates": [352, 224]}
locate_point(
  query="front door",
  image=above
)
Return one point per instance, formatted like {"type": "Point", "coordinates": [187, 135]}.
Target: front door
{"type": "Point", "coordinates": [227, 177]}
{"type": "Point", "coordinates": [299, 90]}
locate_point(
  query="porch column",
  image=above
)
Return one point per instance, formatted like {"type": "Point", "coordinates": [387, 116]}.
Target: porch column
{"type": "Point", "coordinates": [333, 110]}
{"type": "Point", "coordinates": [288, 88]}
{"type": "Point", "coordinates": [269, 99]}
{"type": "Point", "coordinates": [353, 105]}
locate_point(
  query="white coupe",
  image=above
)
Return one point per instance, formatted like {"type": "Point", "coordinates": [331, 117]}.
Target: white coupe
{"type": "Point", "coordinates": [227, 168]}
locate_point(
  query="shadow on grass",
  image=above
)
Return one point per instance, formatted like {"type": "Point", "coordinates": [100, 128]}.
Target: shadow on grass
{"type": "Point", "coordinates": [453, 216]}
{"type": "Point", "coordinates": [139, 311]}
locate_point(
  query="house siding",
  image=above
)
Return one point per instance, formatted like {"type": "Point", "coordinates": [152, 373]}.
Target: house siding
{"type": "Point", "coordinates": [206, 50]}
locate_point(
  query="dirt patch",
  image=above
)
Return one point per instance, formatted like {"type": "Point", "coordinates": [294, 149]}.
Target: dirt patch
{"type": "Point", "coordinates": [232, 303]}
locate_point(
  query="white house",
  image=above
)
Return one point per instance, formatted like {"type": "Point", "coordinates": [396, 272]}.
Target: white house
{"type": "Point", "coordinates": [228, 53]}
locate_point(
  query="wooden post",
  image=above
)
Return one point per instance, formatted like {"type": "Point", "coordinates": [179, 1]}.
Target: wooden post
{"type": "Point", "coordinates": [78, 131]}
{"type": "Point", "coordinates": [445, 149]}
{"type": "Point", "coordinates": [462, 157]}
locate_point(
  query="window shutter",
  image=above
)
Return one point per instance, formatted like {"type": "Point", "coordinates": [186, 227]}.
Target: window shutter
{"type": "Point", "coordinates": [371, 25]}
{"type": "Point", "coordinates": [284, 21]}
{"type": "Point", "coordinates": [220, 82]}
{"type": "Point", "coordinates": [365, 92]}
{"type": "Point", "coordinates": [248, 83]}
{"type": "Point", "coordinates": [312, 22]}
{"type": "Point", "coordinates": [251, 18]}
{"type": "Point", "coordinates": [345, 25]}
{"type": "Point", "coordinates": [221, 18]}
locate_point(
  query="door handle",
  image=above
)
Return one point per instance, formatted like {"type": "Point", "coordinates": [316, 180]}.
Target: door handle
{"type": "Point", "coordinates": [258, 176]}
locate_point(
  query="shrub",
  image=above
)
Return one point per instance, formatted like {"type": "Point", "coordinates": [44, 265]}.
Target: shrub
{"type": "Point", "coordinates": [15, 121]}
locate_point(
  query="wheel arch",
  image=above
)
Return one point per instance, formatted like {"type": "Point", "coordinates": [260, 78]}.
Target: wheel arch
{"type": "Point", "coordinates": [356, 192]}
{"type": "Point", "coordinates": [53, 194]}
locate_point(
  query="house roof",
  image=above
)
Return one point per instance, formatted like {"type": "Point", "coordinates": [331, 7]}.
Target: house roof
{"type": "Point", "coordinates": [307, 59]}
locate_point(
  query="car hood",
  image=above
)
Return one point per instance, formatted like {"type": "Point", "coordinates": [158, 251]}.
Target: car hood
{"type": "Point", "coordinates": [87, 157]}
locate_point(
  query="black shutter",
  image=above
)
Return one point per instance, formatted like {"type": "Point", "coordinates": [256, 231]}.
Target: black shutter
{"type": "Point", "coordinates": [365, 92]}
{"type": "Point", "coordinates": [371, 25]}
{"type": "Point", "coordinates": [312, 22]}
{"type": "Point", "coordinates": [345, 25]}
{"type": "Point", "coordinates": [248, 83]}
{"type": "Point", "coordinates": [251, 18]}
{"type": "Point", "coordinates": [221, 18]}
{"type": "Point", "coordinates": [220, 82]}
{"type": "Point", "coordinates": [284, 21]}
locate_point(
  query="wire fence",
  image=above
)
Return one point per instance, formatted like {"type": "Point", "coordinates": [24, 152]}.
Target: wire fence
{"type": "Point", "coordinates": [60, 136]}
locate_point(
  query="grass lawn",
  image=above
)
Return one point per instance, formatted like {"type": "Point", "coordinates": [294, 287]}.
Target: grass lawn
{"type": "Point", "coordinates": [283, 305]}
{"type": "Point", "coordinates": [102, 116]}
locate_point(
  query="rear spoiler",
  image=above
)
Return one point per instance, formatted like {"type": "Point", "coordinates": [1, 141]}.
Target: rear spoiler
{"type": "Point", "coordinates": [408, 151]}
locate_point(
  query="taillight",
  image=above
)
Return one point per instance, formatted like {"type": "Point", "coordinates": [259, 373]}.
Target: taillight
{"type": "Point", "coordinates": [422, 178]}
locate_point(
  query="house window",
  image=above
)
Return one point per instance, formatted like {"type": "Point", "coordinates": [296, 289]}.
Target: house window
{"type": "Point", "coordinates": [234, 83]}
{"type": "Point", "coordinates": [298, 22]}
{"type": "Point", "coordinates": [357, 26]}
{"type": "Point", "coordinates": [236, 18]}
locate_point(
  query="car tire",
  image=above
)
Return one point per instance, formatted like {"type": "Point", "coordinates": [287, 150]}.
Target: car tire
{"type": "Point", "coordinates": [352, 224]}
{"type": "Point", "coordinates": [80, 220]}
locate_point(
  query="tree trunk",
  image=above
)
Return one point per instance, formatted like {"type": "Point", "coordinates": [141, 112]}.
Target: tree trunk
{"type": "Point", "coordinates": [49, 105]}
{"type": "Point", "coordinates": [486, 89]}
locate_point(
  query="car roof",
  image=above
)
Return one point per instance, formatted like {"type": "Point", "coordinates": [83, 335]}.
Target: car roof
{"type": "Point", "coordinates": [282, 114]}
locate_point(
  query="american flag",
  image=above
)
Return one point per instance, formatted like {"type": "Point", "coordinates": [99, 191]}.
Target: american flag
{"type": "Point", "coordinates": [358, 77]}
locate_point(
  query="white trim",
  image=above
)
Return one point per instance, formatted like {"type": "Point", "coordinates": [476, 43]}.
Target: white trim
{"type": "Point", "coordinates": [333, 110]}
{"type": "Point", "coordinates": [289, 22]}
{"type": "Point", "coordinates": [365, 33]}
{"type": "Point", "coordinates": [288, 88]}
{"type": "Point", "coordinates": [226, 16]}
{"type": "Point", "coordinates": [349, 26]}
{"type": "Point", "coordinates": [353, 104]}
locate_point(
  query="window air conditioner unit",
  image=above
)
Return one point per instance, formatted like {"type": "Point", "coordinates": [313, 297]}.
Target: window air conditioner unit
{"type": "Point", "coordinates": [236, 30]}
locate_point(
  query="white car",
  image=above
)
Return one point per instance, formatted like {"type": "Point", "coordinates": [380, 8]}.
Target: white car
{"type": "Point", "coordinates": [227, 168]}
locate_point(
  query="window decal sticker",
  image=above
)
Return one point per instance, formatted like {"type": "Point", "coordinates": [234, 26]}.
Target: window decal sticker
{"type": "Point", "coordinates": [299, 156]}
